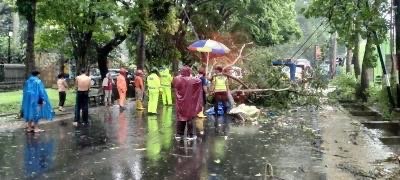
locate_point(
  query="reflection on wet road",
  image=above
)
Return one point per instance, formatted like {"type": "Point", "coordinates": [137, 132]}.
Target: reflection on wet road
{"type": "Point", "coordinates": [132, 145]}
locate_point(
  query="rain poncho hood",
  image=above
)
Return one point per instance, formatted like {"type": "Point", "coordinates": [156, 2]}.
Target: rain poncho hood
{"type": "Point", "coordinates": [34, 92]}
{"type": "Point", "coordinates": [188, 95]}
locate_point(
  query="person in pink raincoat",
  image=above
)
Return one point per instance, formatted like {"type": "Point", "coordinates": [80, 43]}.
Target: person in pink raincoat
{"type": "Point", "coordinates": [188, 102]}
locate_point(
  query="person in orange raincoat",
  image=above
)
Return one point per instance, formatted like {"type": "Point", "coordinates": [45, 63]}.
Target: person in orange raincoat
{"type": "Point", "coordinates": [122, 87]}
{"type": "Point", "coordinates": [139, 89]}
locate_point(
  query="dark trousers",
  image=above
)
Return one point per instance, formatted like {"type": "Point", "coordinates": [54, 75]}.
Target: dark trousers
{"type": "Point", "coordinates": [220, 97]}
{"type": "Point", "coordinates": [62, 96]}
{"type": "Point", "coordinates": [181, 125]}
{"type": "Point", "coordinates": [82, 103]}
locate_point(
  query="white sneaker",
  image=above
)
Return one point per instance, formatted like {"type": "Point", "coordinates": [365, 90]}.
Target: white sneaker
{"type": "Point", "coordinates": [75, 123]}
{"type": "Point", "coordinates": [191, 138]}
{"type": "Point", "coordinates": [178, 138]}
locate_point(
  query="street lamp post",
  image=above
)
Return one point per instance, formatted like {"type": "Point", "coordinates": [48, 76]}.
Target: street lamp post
{"type": "Point", "coordinates": [10, 33]}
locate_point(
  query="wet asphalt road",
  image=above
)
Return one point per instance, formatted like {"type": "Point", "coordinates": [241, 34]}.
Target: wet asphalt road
{"type": "Point", "coordinates": [131, 145]}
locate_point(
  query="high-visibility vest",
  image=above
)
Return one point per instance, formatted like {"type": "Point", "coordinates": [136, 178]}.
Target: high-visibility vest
{"type": "Point", "coordinates": [153, 81]}
{"type": "Point", "coordinates": [220, 83]}
{"type": "Point", "coordinates": [165, 78]}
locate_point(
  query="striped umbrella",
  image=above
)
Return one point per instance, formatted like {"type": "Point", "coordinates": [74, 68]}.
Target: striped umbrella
{"type": "Point", "coordinates": [209, 47]}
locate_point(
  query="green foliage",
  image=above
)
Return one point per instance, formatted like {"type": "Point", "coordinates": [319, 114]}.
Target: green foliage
{"type": "Point", "coordinates": [370, 55]}
{"type": "Point", "coordinates": [260, 72]}
{"type": "Point", "coordinates": [345, 87]}
{"type": "Point", "coordinates": [262, 75]}
{"type": "Point", "coordinates": [352, 18]}
{"type": "Point", "coordinates": [265, 22]}
{"type": "Point", "coordinates": [378, 97]}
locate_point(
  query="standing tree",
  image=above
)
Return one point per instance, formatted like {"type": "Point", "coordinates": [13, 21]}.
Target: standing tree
{"type": "Point", "coordinates": [99, 25]}
{"type": "Point", "coordinates": [27, 8]}
{"type": "Point", "coordinates": [352, 19]}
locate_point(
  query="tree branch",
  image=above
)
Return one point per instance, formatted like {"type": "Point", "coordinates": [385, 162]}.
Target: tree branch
{"type": "Point", "coordinates": [117, 40]}
{"type": "Point", "coordinates": [126, 4]}
{"type": "Point", "coordinates": [239, 56]}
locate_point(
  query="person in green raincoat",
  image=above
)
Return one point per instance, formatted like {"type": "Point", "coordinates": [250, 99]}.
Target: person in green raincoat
{"type": "Point", "coordinates": [154, 86]}
{"type": "Point", "coordinates": [166, 80]}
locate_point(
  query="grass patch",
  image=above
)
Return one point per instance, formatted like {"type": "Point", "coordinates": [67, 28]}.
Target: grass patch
{"type": "Point", "coordinates": [11, 101]}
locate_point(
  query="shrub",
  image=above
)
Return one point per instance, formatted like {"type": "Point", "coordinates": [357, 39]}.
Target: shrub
{"type": "Point", "coordinates": [346, 85]}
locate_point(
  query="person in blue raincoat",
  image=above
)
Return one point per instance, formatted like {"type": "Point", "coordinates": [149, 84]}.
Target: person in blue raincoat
{"type": "Point", "coordinates": [35, 103]}
{"type": "Point", "coordinates": [38, 155]}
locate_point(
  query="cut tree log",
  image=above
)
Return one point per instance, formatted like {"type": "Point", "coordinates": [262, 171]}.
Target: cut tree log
{"type": "Point", "coordinates": [259, 90]}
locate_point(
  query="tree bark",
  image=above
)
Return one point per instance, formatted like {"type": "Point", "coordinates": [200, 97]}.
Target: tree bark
{"type": "Point", "coordinates": [349, 59]}
{"type": "Point", "coordinates": [62, 62]}
{"type": "Point", "coordinates": [365, 71]}
{"type": "Point", "coordinates": [102, 63]}
{"type": "Point", "coordinates": [81, 44]}
{"type": "Point", "coordinates": [104, 51]}
{"type": "Point", "coordinates": [333, 50]}
{"type": "Point", "coordinates": [141, 50]}
{"type": "Point", "coordinates": [356, 55]}
{"type": "Point", "coordinates": [30, 43]}
{"type": "Point", "coordinates": [397, 32]}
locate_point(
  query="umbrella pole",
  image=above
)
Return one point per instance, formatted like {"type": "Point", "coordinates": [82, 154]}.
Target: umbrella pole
{"type": "Point", "coordinates": [208, 57]}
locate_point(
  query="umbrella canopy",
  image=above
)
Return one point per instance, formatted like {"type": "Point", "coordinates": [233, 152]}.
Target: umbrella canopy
{"type": "Point", "coordinates": [209, 46]}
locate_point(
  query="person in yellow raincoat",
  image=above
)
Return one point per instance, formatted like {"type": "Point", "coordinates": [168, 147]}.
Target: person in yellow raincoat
{"type": "Point", "coordinates": [122, 87]}
{"type": "Point", "coordinates": [153, 85]}
{"type": "Point", "coordinates": [166, 80]}
{"type": "Point", "coordinates": [166, 128]}
{"type": "Point", "coordinates": [153, 143]}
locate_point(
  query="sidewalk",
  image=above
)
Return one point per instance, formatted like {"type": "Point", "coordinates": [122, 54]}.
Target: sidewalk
{"type": "Point", "coordinates": [350, 150]}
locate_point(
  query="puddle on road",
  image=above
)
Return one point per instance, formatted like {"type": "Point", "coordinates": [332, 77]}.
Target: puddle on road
{"type": "Point", "coordinates": [129, 145]}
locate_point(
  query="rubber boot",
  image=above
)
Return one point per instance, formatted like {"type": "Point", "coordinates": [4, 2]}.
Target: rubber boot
{"type": "Point", "coordinates": [201, 114]}
{"type": "Point", "coordinates": [139, 105]}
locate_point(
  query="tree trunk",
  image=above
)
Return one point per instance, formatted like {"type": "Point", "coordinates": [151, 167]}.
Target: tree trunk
{"type": "Point", "coordinates": [365, 71]}
{"type": "Point", "coordinates": [81, 44]}
{"type": "Point", "coordinates": [333, 50]}
{"type": "Point", "coordinates": [356, 56]}
{"type": "Point", "coordinates": [348, 59]}
{"type": "Point", "coordinates": [81, 64]}
{"type": "Point", "coordinates": [62, 63]}
{"type": "Point", "coordinates": [30, 43]}
{"type": "Point", "coordinates": [397, 32]}
{"type": "Point", "coordinates": [141, 50]}
{"type": "Point", "coordinates": [104, 51]}
{"type": "Point", "coordinates": [102, 63]}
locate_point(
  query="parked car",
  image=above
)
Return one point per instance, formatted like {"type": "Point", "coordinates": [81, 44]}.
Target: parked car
{"type": "Point", "coordinates": [114, 73]}
{"type": "Point", "coordinates": [95, 77]}
{"type": "Point", "coordinates": [131, 89]}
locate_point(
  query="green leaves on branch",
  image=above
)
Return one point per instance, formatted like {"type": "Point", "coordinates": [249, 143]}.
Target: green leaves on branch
{"type": "Point", "coordinates": [352, 17]}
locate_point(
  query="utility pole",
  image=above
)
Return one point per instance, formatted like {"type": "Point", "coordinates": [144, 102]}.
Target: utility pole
{"type": "Point", "coordinates": [397, 32]}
